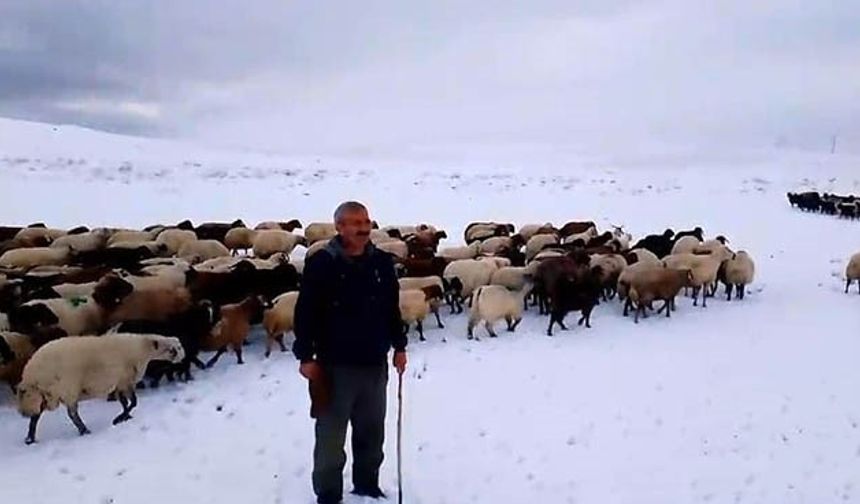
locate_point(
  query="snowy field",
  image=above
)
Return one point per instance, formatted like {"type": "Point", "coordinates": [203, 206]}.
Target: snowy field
{"type": "Point", "coordinates": [755, 401]}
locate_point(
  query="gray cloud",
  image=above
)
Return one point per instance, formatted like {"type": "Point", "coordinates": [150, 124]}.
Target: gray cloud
{"type": "Point", "coordinates": [301, 75]}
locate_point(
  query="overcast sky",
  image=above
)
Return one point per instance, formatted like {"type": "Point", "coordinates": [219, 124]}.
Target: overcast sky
{"type": "Point", "coordinates": [311, 75]}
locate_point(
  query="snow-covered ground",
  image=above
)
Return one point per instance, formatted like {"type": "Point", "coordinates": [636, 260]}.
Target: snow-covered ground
{"type": "Point", "coordinates": [753, 401]}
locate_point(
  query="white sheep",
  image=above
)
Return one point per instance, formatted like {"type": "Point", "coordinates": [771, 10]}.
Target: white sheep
{"type": "Point", "coordinates": [645, 255]}
{"type": "Point", "coordinates": [464, 276]}
{"type": "Point", "coordinates": [585, 236]}
{"type": "Point", "coordinates": [241, 238]}
{"type": "Point", "coordinates": [315, 247]}
{"type": "Point", "coordinates": [622, 237]}
{"type": "Point", "coordinates": [513, 277]}
{"type": "Point", "coordinates": [496, 244]}
{"type": "Point", "coordinates": [397, 248]}
{"type": "Point", "coordinates": [455, 253]}
{"type": "Point", "coordinates": [419, 283]}
{"type": "Point", "coordinates": [416, 304]}
{"type": "Point", "coordinates": [271, 241]}
{"type": "Point", "coordinates": [492, 303]}
{"type": "Point", "coordinates": [157, 278]}
{"type": "Point", "coordinates": [738, 272]}
{"type": "Point", "coordinates": [70, 370]}
{"type": "Point", "coordinates": [153, 246]}
{"type": "Point", "coordinates": [72, 291]}
{"type": "Point", "coordinates": [22, 347]}
{"type": "Point", "coordinates": [498, 262]}
{"type": "Point", "coordinates": [378, 236]}
{"type": "Point", "coordinates": [35, 256]}
{"type": "Point", "coordinates": [529, 230]}
{"type": "Point", "coordinates": [33, 235]}
{"type": "Point", "coordinates": [852, 272]}
{"type": "Point", "coordinates": [704, 269]}
{"type": "Point", "coordinates": [174, 239]}
{"type": "Point", "coordinates": [85, 242]}
{"type": "Point", "coordinates": [279, 319]}
{"type": "Point", "coordinates": [75, 316]}
{"type": "Point", "coordinates": [320, 231]}
{"type": "Point", "coordinates": [538, 242]}
{"type": "Point", "coordinates": [129, 236]}
{"type": "Point", "coordinates": [201, 250]}
{"type": "Point", "coordinates": [686, 245]}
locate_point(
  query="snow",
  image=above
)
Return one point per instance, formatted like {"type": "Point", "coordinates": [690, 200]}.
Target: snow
{"type": "Point", "coordinates": [752, 401]}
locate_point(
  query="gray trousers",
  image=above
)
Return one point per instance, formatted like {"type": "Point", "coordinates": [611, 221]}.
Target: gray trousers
{"type": "Point", "coordinates": [358, 397]}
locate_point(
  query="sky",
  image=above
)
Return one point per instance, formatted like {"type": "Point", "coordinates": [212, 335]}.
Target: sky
{"type": "Point", "coordinates": [303, 75]}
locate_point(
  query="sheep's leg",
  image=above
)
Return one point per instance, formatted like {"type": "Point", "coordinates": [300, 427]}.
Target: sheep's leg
{"type": "Point", "coordinates": [587, 316]}
{"type": "Point", "coordinates": [470, 328]}
{"type": "Point", "coordinates": [489, 327]}
{"type": "Point", "coordinates": [280, 340]}
{"type": "Point", "coordinates": [215, 357]}
{"type": "Point", "coordinates": [238, 350]}
{"type": "Point", "coordinates": [419, 325]}
{"type": "Point", "coordinates": [31, 430]}
{"type": "Point", "coordinates": [696, 296]}
{"type": "Point", "coordinates": [269, 339]}
{"type": "Point", "coordinates": [729, 288]}
{"type": "Point", "coordinates": [551, 322]}
{"type": "Point", "coordinates": [122, 417]}
{"type": "Point", "coordinates": [438, 319]}
{"type": "Point", "coordinates": [199, 363]}
{"type": "Point", "coordinates": [515, 324]}
{"type": "Point", "coordinates": [704, 297]}
{"type": "Point", "coordinates": [639, 308]}
{"type": "Point", "coordinates": [627, 305]}
{"type": "Point", "coordinates": [742, 291]}
{"type": "Point", "coordinates": [847, 285]}
{"type": "Point", "coordinates": [72, 410]}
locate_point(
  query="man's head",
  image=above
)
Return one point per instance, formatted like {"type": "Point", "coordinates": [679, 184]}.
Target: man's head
{"type": "Point", "coordinates": [353, 224]}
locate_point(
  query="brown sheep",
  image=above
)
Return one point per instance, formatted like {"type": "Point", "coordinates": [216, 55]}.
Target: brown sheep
{"type": "Point", "coordinates": [233, 328]}
{"type": "Point", "coordinates": [575, 227]}
{"type": "Point", "coordinates": [658, 283]}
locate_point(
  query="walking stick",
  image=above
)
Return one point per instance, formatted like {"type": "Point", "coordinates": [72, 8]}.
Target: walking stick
{"type": "Point", "coordinates": [399, 436]}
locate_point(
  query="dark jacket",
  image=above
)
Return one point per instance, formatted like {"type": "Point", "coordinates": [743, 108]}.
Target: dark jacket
{"type": "Point", "coordinates": [348, 311]}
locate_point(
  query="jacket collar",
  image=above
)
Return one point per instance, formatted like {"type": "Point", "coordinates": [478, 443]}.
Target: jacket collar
{"type": "Point", "coordinates": [336, 249]}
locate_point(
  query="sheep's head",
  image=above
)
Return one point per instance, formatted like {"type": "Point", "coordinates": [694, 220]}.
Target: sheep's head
{"type": "Point", "coordinates": [186, 225]}
{"type": "Point", "coordinates": [292, 224]}
{"type": "Point", "coordinates": [31, 401]}
{"type": "Point", "coordinates": [165, 348]}
{"type": "Point", "coordinates": [78, 230]}
{"type": "Point", "coordinates": [668, 233]}
{"type": "Point", "coordinates": [29, 318]}
{"type": "Point", "coordinates": [237, 223]}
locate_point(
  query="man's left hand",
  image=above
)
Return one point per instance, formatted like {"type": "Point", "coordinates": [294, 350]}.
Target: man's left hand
{"type": "Point", "coordinates": [399, 361]}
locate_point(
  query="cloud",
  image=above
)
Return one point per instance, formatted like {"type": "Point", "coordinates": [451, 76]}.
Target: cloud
{"type": "Point", "coordinates": [302, 76]}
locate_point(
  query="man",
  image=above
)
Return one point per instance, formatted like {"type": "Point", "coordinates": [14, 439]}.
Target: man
{"type": "Point", "coordinates": [347, 319]}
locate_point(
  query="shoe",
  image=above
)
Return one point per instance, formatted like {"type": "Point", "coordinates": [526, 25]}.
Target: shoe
{"type": "Point", "coordinates": [374, 492]}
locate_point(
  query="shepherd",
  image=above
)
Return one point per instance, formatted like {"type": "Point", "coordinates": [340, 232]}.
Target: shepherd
{"type": "Point", "coordinates": [347, 320]}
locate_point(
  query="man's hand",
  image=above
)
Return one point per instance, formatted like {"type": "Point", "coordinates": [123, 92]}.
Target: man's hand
{"type": "Point", "coordinates": [399, 361]}
{"type": "Point", "coordinates": [310, 370]}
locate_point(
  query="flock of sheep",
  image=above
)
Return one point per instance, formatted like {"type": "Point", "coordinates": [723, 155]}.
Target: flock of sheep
{"type": "Point", "coordinates": [87, 313]}
{"type": "Point", "coordinates": [847, 207]}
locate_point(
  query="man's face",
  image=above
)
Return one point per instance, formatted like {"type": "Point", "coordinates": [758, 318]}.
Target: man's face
{"type": "Point", "coordinates": [354, 227]}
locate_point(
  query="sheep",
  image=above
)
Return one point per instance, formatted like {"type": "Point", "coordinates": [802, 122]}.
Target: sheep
{"type": "Point", "coordinates": [413, 267]}
{"type": "Point", "coordinates": [35, 256]}
{"type": "Point", "coordinates": [852, 272]}
{"type": "Point", "coordinates": [155, 277]}
{"type": "Point", "coordinates": [847, 210]}
{"type": "Point", "coordinates": [418, 283]}
{"type": "Point", "coordinates": [174, 239]}
{"type": "Point", "coordinates": [191, 328]}
{"type": "Point", "coordinates": [575, 227]}
{"type": "Point", "coordinates": [240, 238]}
{"type": "Point", "coordinates": [658, 283]}
{"type": "Point", "coordinates": [584, 236]}
{"type": "Point", "coordinates": [315, 247]}
{"type": "Point", "coordinates": [130, 236]}
{"type": "Point", "coordinates": [539, 242]}
{"type": "Point", "coordinates": [70, 370]}
{"type": "Point", "coordinates": [493, 303]}
{"type": "Point", "coordinates": [219, 263]}
{"type": "Point", "coordinates": [18, 350]}
{"type": "Point", "coordinates": [233, 328]}
{"type": "Point", "coordinates": [216, 230]}
{"type": "Point", "coordinates": [513, 277]}
{"type": "Point", "coordinates": [496, 244]}
{"type": "Point", "coordinates": [622, 237]}
{"type": "Point", "coordinates": [686, 245]}
{"type": "Point", "coordinates": [718, 244]}
{"type": "Point", "coordinates": [271, 241]}
{"type": "Point", "coordinates": [478, 231]}
{"type": "Point", "coordinates": [37, 236]}
{"type": "Point", "coordinates": [424, 243]}
{"type": "Point", "coordinates": [464, 276]}
{"type": "Point", "coordinates": [113, 257]}
{"type": "Point", "coordinates": [526, 231]}
{"type": "Point", "coordinates": [93, 240]}
{"type": "Point", "coordinates": [638, 255]}
{"type": "Point", "coordinates": [660, 245]}
{"type": "Point", "coordinates": [696, 232]}
{"type": "Point", "coordinates": [737, 271]}
{"type": "Point", "coordinates": [468, 252]}
{"type": "Point", "coordinates": [201, 250]}
{"type": "Point", "coordinates": [403, 231]}
{"type": "Point", "coordinates": [320, 231]}
{"type": "Point", "coordinates": [415, 306]}
{"type": "Point", "coordinates": [498, 262]}
{"type": "Point", "coordinates": [547, 253]}
{"type": "Point", "coordinates": [154, 248]}
{"type": "Point", "coordinates": [704, 270]}
{"type": "Point", "coordinates": [290, 225]}
{"type": "Point", "coordinates": [396, 248]}
{"type": "Point", "coordinates": [577, 292]}
{"type": "Point", "coordinates": [222, 287]}
{"type": "Point", "coordinates": [279, 319]}
{"type": "Point", "coordinates": [611, 266]}
{"type": "Point", "coordinates": [76, 316]}
{"type": "Point", "coordinates": [73, 290]}
{"type": "Point", "coordinates": [153, 304]}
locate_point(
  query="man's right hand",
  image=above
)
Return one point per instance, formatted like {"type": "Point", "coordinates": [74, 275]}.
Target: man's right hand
{"type": "Point", "coordinates": [310, 370]}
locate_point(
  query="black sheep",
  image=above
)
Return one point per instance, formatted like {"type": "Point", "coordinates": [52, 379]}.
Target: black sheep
{"type": "Point", "coordinates": [580, 294]}
{"type": "Point", "coordinates": [697, 232]}
{"type": "Point", "coordinates": [190, 327]}
{"type": "Point", "coordinates": [660, 245]}
{"type": "Point", "coordinates": [6, 353]}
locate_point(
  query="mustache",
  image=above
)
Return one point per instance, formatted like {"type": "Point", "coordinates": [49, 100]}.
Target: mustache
{"type": "Point", "coordinates": [363, 233]}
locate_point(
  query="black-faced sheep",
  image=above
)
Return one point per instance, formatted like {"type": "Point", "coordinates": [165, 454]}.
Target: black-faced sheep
{"type": "Point", "coordinates": [35, 256]}
{"type": "Point", "coordinates": [233, 328]}
{"type": "Point", "coordinates": [240, 238]}
{"type": "Point", "coordinates": [660, 245]}
{"type": "Point", "coordinates": [174, 239]}
{"type": "Point", "coordinates": [290, 225]}
{"type": "Point", "coordinates": [272, 241]}
{"type": "Point", "coordinates": [69, 370]}
{"type": "Point", "coordinates": [216, 230]}
{"type": "Point", "coordinates": [201, 250]}
{"type": "Point", "coordinates": [493, 303]}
